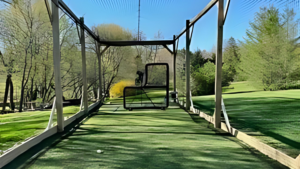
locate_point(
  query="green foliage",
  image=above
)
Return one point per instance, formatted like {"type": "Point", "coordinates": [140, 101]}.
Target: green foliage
{"type": "Point", "coordinates": [269, 58]}
{"type": "Point", "coordinates": [204, 79]}
{"type": "Point", "coordinates": [231, 60]}
{"type": "Point", "coordinates": [197, 59]}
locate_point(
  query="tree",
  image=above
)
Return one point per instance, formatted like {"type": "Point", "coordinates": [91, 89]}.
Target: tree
{"type": "Point", "coordinates": [27, 54]}
{"type": "Point", "coordinates": [231, 59]}
{"type": "Point", "coordinates": [197, 59]}
{"type": "Point", "coordinates": [268, 53]}
{"type": "Point", "coordinates": [111, 60]}
{"type": "Point", "coordinates": [23, 36]}
{"type": "Point", "coordinates": [204, 79]}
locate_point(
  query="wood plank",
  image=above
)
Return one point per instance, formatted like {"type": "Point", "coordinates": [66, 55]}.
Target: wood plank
{"type": "Point", "coordinates": [187, 68]}
{"type": "Point", "coordinates": [136, 43]}
{"type": "Point", "coordinates": [84, 80]}
{"type": "Point", "coordinates": [199, 15]}
{"type": "Point", "coordinates": [56, 64]}
{"type": "Point", "coordinates": [257, 144]}
{"type": "Point", "coordinates": [14, 153]}
{"type": "Point", "coordinates": [218, 76]}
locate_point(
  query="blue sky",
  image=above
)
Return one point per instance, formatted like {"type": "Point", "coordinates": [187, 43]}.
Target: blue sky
{"type": "Point", "coordinates": [169, 17]}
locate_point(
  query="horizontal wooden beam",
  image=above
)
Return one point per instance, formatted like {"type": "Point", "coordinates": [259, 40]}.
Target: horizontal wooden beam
{"type": "Point", "coordinates": [136, 43]}
{"type": "Point", "coordinates": [77, 20]}
{"type": "Point", "coordinates": [197, 17]}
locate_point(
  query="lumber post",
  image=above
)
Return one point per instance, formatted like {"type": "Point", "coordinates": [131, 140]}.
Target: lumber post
{"type": "Point", "coordinates": [218, 76]}
{"type": "Point", "coordinates": [56, 63]}
{"type": "Point", "coordinates": [100, 73]}
{"type": "Point", "coordinates": [84, 80]}
{"type": "Point", "coordinates": [187, 66]}
{"type": "Point", "coordinates": [174, 63]}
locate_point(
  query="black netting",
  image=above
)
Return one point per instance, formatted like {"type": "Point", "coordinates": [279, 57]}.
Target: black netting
{"type": "Point", "coordinates": [144, 97]}
{"type": "Point", "coordinates": [157, 75]}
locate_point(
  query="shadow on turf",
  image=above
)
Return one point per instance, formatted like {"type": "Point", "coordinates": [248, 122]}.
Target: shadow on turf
{"type": "Point", "coordinates": [129, 158]}
{"type": "Point", "coordinates": [154, 158]}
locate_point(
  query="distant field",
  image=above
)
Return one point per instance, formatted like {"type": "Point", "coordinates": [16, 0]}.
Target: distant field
{"type": "Point", "coordinates": [271, 116]}
{"type": "Point", "coordinates": [239, 87]}
{"type": "Point", "coordinates": [16, 127]}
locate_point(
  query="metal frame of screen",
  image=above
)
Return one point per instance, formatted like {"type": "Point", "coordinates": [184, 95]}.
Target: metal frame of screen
{"type": "Point", "coordinates": [149, 87]}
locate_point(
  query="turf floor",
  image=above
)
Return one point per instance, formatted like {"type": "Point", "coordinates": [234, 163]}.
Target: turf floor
{"type": "Point", "coordinates": [148, 139]}
{"type": "Point", "coordinates": [271, 116]}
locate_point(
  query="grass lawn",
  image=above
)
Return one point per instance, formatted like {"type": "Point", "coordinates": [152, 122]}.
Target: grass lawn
{"type": "Point", "coordinates": [271, 116]}
{"type": "Point", "coordinates": [148, 139]}
{"type": "Point", "coordinates": [239, 87]}
{"type": "Point", "coordinates": [16, 127]}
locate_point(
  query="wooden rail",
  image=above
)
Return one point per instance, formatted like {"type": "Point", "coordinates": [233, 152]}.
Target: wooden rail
{"type": "Point", "coordinates": [10, 155]}
{"type": "Point", "coordinates": [273, 153]}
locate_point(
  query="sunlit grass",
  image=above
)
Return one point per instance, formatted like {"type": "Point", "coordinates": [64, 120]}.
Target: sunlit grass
{"type": "Point", "coordinates": [271, 116]}
{"type": "Point", "coordinates": [16, 127]}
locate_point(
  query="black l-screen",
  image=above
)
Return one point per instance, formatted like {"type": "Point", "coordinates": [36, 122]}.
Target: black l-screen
{"type": "Point", "coordinates": [153, 91]}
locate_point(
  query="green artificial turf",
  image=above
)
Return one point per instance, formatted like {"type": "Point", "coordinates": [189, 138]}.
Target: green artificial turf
{"type": "Point", "coordinates": [16, 127]}
{"type": "Point", "coordinates": [148, 139]}
{"type": "Point", "coordinates": [271, 116]}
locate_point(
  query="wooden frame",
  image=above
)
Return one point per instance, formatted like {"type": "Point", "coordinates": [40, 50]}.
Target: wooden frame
{"type": "Point", "coordinates": [54, 17]}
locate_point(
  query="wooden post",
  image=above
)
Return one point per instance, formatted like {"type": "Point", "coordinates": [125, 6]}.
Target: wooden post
{"type": "Point", "coordinates": [174, 63]}
{"type": "Point", "coordinates": [100, 74]}
{"type": "Point", "coordinates": [56, 63]}
{"type": "Point", "coordinates": [187, 66]}
{"type": "Point", "coordinates": [218, 76]}
{"type": "Point", "coordinates": [82, 41]}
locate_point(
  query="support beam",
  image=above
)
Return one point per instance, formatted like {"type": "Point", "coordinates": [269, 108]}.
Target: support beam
{"type": "Point", "coordinates": [98, 47]}
{"type": "Point", "coordinates": [136, 43]}
{"type": "Point", "coordinates": [197, 17]}
{"type": "Point", "coordinates": [174, 63]}
{"type": "Point", "coordinates": [99, 70]}
{"type": "Point", "coordinates": [168, 49]}
{"type": "Point", "coordinates": [104, 50]}
{"type": "Point", "coordinates": [226, 10]}
{"type": "Point", "coordinates": [218, 76]}
{"type": "Point", "coordinates": [187, 67]}
{"type": "Point", "coordinates": [56, 64]}
{"type": "Point", "coordinates": [191, 36]}
{"type": "Point", "coordinates": [48, 10]}
{"type": "Point", "coordinates": [82, 41]}
{"type": "Point", "coordinates": [66, 9]}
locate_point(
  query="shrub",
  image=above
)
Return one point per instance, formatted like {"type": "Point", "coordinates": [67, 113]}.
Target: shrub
{"type": "Point", "coordinates": [204, 79]}
{"type": "Point", "coordinates": [117, 89]}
